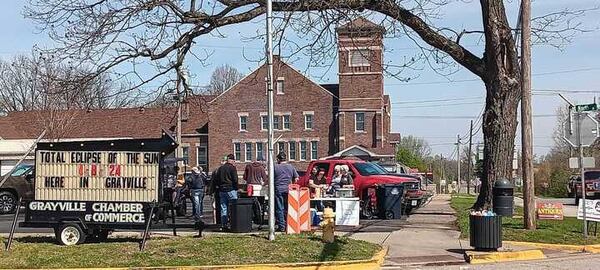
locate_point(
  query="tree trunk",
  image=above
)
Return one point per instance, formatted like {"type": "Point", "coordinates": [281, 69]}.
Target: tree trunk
{"type": "Point", "coordinates": [502, 83]}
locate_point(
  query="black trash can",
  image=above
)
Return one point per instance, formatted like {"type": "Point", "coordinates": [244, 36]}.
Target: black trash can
{"type": "Point", "coordinates": [389, 201]}
{"type": "Point", "coordinates": [240, 215]}
{"type": "Point", "coordinates": [503, 198]}
{"type": "Point", "coordinates": [485, 232]}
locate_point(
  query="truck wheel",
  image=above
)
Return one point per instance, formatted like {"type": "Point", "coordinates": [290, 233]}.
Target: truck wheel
{"type": "Point", "coordinates": [8, 202]}
{"type": "Point", "coordinates": [70, 234]}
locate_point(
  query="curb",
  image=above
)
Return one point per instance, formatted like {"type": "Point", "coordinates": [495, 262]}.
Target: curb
{"type": "Point", "coordinates": [571, 248]}
{"type": "Point", "coordinates": [369, 264]}
{"type": "Point", "coordinates": [474, 257]}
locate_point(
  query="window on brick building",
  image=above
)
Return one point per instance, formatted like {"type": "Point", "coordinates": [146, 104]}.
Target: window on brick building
{"type": "Point", "coordinates": [292, 150]}
{"type": "Point", "coordinates": [286, 122]}
{"type": "Point", "coordinates": [201, 157]}
{"type": "Point", "coordinates": [314, 154]}
{"type": "Point", "coordinates": [280, 147]}
{"type": "Point", "coordinates": [359, 122]}
{"type": "Point", "coordinates": [259, 151]}
{"type": "Point", "coordinates": [237, 151]}
{"type": "Point", "coordinates": [276, 124]}
{"type": "Point", "coordinates": [302, 150]}
{"type": "Point", "coordinates": [243, 122]}
{"type": "Point", "coordinates": [360, 58]}
{"type": "Point", "coordinates": [248, 156]}
{"type": "Point", "coordinates": [308, 121]}
{"type": "Point", "coordinates": [185, 153]}
{"type": "Point", "coordinates": [279, 86]}
{"type": "Point", "coordinates": [264, 122]}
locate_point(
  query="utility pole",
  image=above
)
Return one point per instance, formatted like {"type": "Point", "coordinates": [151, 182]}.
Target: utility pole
{"type": "Point", "coordinates": [469, 174]}
{"type": "Point", "coordinates": [458, 161]}
{"type": "Point", "coordinates": [179, 151]}
{"type": "Point", "coordinates": [269, 52]}
{"type": "Point", "coordinates": [526, 119]}
{"type": "Point", "coordinates": [442, 188]}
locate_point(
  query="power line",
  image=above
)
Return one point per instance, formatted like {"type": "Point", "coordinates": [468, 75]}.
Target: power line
{"type": "Point", "coordinates": [437, 105]}
{"type": "Point", "coordinates": [479, 80]}
{"type": "Point", "coordinates": [459, 116]}
{"type": "Point", "coordinates": [437, 100]}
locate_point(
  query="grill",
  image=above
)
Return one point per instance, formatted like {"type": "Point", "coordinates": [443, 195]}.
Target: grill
{"type": "Point", "coordinates": [411, 185]}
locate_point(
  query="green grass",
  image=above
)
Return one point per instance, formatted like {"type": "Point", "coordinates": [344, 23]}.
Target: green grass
{"type": "Point", "coordinates": [567, 231]}
{"type": "Point", "coordinates": [42, 252]}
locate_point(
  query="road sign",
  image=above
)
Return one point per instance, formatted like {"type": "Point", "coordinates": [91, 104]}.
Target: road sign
{"type": "Point", "coordinates": [588, 162]}
{"type": "Point", "coordinates": [586, 107]}
{"type": "Point", "coordinates": [589, 130]}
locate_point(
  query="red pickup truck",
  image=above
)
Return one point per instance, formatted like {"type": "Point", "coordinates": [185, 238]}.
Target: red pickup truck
{"type": "Point", "coordinates": [366, 175]}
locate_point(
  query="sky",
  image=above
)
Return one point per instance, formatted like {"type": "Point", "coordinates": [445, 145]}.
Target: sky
{"type": "Point", "coordinates": [416, 105]}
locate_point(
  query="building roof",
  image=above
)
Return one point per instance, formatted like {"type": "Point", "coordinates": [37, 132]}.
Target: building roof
{"type": "Point", "coordinates": [360, 24]}
{"type": "Point", "coordinates": [104, 123]}
{"type": "Point", "coordinates": [394, 138]}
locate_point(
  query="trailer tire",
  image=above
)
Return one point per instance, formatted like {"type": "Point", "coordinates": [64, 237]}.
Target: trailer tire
{"type": "Point", "coordinates": [69, 234]}
{"type": "Point", "coordinates": [8, 202]}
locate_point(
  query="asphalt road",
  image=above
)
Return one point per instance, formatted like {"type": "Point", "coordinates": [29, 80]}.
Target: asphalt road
{"type": "Point", "coordinates": [579, 261]}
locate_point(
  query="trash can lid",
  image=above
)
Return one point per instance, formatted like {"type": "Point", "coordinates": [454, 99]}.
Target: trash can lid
{"type": "Point", "coordinates": [503, 183]}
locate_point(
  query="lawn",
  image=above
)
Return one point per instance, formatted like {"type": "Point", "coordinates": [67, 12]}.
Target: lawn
{"type": "Point", "coordinates": [42, 252]}
{"type": "Point", "coordinates": [567, 231]}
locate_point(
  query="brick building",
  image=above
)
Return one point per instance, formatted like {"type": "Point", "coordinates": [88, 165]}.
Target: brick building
{"type": "Point", "coordinates": [311, 121]}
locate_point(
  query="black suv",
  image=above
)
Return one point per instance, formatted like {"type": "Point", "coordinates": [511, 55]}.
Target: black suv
{"type": "Point", "coordinates": [19, 184]}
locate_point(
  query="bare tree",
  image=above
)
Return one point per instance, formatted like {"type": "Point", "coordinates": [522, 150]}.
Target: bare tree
{"type": "Point", "coordinates": [222, 78]}
{"type": "Point", "coordinates": [35, 83]}
{"type": "Point", "coordinates": [107, 34]}
{"type": "Point", "coordinates": [419, 147]}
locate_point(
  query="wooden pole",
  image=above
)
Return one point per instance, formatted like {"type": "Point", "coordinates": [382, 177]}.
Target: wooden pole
{"type": "Point", "coordinates": [526, 120]}
{"type": "Point", "coordinates": [469, 157]}
{"type": "Point", "coordinates": [458, 162]}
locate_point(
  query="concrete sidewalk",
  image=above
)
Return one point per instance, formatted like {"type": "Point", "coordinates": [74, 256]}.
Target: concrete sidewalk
{"type": "Point", "coordinates": [428, 236]}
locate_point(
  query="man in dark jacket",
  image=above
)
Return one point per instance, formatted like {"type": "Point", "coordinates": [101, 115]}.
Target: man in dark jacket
{"type": "Point", "coordinates": [227, 185]}
{"type": "Point", "coordinates": [255, 174]}
{"type": "Point", "coordinates": [196, 184]}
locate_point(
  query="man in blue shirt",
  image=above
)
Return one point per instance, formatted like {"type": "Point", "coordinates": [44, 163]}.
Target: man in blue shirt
{"type": "Point", "coordinates": [284, 174]}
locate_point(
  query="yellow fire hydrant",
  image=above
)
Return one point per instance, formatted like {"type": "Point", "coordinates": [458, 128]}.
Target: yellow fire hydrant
{"type": "Point", "coordinates": [328, 225]}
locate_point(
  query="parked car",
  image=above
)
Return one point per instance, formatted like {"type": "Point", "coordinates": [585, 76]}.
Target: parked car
{"type": "Point", "coordinates": [19, 184]}
{"type": "Point", "coordinates": [394, 168]}
{"type": "Point", "coordinates": [592, 183]}
{"type": "Point", "coordinates": [367, 175]}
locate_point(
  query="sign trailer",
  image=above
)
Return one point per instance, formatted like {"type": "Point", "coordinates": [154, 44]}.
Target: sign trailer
{"type": "Point", "coordinates": [90, 188]}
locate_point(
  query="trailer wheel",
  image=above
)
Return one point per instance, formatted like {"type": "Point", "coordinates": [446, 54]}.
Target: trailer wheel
{"type": "Point", "coordinates": [69, 234]}
{"type": "Point", "coordinates": [8, 202]}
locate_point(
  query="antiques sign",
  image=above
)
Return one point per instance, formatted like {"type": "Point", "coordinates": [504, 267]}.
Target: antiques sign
{"type": "Point", "coordinates": [547, 210]}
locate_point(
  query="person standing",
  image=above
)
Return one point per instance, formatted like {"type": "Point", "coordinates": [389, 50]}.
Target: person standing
{"type": "Point", "coordinates": [196, 184]}
{"type": "Point", "coordinates": [284, 174]}
{"type": "Point", "coordinates": [227, 185]}
{"type": "Point", "coordinates": [255, 174]}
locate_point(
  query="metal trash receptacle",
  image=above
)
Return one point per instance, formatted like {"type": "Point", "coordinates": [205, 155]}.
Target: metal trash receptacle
{"type": "Point", "coordinates": [389, 201]}
{"type": "Point", "coordinates": [485, 232]}
{"type": "Point", "coordinates": [503, 198]}
{"type": "Point", "coordinates": [240, 214]}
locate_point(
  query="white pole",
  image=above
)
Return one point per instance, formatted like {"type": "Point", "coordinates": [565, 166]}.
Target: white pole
{"type": "Point", "coordinates": [270, 117]}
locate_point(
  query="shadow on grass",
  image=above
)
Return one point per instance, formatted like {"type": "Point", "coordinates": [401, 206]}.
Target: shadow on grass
{"type": "Point", "coordinates": [52, 240]}
{"type": "Point", "coordinates": [330, 250]}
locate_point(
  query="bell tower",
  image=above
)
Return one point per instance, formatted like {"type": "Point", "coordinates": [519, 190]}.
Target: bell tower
{"type": "Point", "coordinates": [360, 51]}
